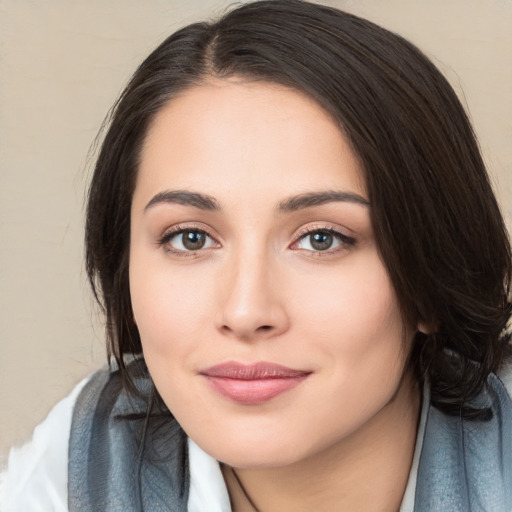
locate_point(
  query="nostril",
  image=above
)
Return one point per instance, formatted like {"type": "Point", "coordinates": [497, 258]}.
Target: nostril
{"type": "Point", "coordinates": [265, 327]}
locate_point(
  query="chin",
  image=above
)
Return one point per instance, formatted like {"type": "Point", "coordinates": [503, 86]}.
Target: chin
{"type": "Point", "coordinates": [251, 452]}
{"type": "Point", "coordinates": [258, 459]}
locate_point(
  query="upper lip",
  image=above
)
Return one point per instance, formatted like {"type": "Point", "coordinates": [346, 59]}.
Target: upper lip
{"type": "Point", "coordinates": [254, 371]}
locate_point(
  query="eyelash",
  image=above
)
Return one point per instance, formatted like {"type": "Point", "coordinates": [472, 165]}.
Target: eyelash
{"type": "Point", "coordinates": [345, 241]}
{"type": "Point", "coordinates": [175, 232]}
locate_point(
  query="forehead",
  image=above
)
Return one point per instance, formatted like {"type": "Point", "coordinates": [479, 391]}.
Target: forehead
{"type": "Point", "coordinates": [246, 138]}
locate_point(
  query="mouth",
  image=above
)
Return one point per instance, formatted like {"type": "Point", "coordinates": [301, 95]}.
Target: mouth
{"type": "Point", "coordinates": [252, 384]}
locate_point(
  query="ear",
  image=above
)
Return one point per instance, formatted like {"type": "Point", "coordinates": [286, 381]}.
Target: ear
{"type": "Point", "coordinates": [423, 328]}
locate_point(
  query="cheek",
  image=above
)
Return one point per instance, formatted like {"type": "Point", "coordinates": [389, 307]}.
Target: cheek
{"type": "Point", "coordinates": [170, 308]}
{"type": "Point", "coordinates": [358, 329]}
{"type": "Point", "coordinates": [356, 305]}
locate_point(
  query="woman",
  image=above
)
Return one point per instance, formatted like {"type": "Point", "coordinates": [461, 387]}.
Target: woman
{"type": "Point", "coordinates": [305, 276]}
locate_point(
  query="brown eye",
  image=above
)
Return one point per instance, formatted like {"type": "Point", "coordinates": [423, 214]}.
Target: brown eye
{"type": "Point", "coordinates": [187, 240]}
{"type": "Point", "coordinates": [321, 241]}
{"type": "Point", "coordinates": [193, 240]}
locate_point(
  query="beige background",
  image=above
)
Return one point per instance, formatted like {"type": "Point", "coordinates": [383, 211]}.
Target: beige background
{"type": "Point", "coordinates": [62, 64]}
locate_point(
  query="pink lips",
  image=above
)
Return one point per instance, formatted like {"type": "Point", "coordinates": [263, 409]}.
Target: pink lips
{"type": "Point", "coordinates": [252, 384]}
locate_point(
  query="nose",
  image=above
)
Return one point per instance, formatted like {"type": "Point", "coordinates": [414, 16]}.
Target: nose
{"type": "Point", "coordinates": [253, 307]}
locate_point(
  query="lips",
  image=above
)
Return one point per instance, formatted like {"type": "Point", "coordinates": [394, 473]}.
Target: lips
{"type": "Point", "coordinates": [252, 384]}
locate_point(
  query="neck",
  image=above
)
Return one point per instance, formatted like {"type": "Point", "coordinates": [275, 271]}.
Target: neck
{"type": "Point", "coordinates": [368, 468]}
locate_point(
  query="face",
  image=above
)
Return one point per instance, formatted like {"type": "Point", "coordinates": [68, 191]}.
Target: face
{"type": "Point", "coordinates": [268, 321]}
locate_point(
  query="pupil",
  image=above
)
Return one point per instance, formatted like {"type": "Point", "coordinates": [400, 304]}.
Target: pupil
{"type": "Point", "coordinates": [193, 240]}
{"type": "Point", "coordinates": [321, 241]}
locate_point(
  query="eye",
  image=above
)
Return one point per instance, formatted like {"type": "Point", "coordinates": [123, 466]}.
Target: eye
{"type": "Point", "coordinates": [187, 240]}
{"type": "Point", "coordinates": [323, 240]}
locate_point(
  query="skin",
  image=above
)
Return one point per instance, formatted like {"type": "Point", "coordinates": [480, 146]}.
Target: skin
{"type": "Point", "coordinates": [258, 291]}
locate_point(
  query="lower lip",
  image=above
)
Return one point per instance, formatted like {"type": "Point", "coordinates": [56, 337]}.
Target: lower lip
{"type": "Point", "coordinates": [253, 391]}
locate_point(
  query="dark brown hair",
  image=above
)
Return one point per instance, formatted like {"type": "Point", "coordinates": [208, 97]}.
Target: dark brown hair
{"type": "Point", "coordinates": [437, 225]}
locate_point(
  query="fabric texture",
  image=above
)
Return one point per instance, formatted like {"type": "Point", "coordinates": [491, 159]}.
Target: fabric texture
{"type": "Point", "coordinates": [118, 460]}
{"type": "Point", "coordinates": [207, 486]}
{"type": "Point", "coordinates": [466, 465]}
{"type": "Point", "coordinates": [36, 478]}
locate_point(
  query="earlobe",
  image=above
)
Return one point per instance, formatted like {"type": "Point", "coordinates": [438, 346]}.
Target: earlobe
{"type": "Point", "coordinates": [423, 328]}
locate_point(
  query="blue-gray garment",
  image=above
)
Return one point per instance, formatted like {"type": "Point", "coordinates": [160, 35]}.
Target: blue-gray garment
{"type": "Point", "coordinates": [121, 460]}
{"type": "Point", "coordinates": [466, 465]}
{"type": "Point", "coordinates": [117, 462]}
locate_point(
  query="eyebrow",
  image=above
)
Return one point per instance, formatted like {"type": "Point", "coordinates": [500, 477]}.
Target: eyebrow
{"type": "Point", "coordinates": [186, 198]}
{"type": "Point", "coordinates": [311, 199]}
{"type": "Point", "coordinates": [292, 204]}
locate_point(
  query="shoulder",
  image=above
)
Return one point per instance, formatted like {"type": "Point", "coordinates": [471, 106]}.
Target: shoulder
{"type": "Point", "coordinates": [469, 459]}
{"type": "Point", "coordinates": [505, 375]}
{"type": "Point", "coordinates": [36, 474]}
{"type": "Point", "coordinates": [125, 447]}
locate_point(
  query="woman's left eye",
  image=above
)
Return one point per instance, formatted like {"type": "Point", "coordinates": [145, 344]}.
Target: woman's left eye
{"type": "Point", "coordinates": [188, 240]}
{"type": "Point", "coordinates": [323, 240]}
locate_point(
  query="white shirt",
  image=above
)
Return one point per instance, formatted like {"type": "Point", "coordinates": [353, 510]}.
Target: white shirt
{"type": "Point", "coordinates": [37, 473]}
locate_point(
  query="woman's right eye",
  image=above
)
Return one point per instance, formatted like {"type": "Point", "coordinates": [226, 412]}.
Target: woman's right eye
{"type": "Point", "coordinates": [187, 240]}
